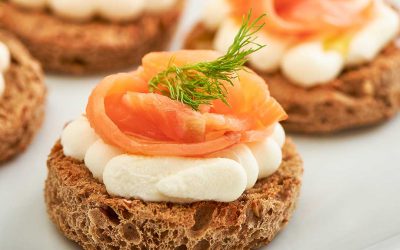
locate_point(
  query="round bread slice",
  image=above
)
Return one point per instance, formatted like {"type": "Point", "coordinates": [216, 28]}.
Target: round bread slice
{"type": "Point", "coordinates": [66, 46]}
{"type": "Point", "coordinates": [81, 208]}
{"type": "Point", "coordinates": [360, 96]}
{"type": "Point", "coordinates": [22, 104]}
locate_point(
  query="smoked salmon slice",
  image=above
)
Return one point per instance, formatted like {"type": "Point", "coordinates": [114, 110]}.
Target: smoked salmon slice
{"type": "Point", "coordinates": [124, 114]}
{"type": "Point", "coordinates": [307, 17]}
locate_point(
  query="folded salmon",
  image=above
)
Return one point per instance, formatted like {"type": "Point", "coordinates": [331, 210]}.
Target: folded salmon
{"type": "Point", "coordinates": [308, 17]}
{"type": "Point", "coordinates": [125, 114]}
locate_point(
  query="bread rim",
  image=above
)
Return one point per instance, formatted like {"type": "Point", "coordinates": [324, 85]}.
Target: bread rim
{"type": "Point", "coordinates": [83, 211]}
{"type": "Point", "coordinates": [361, 96]}
{"type": "Point", "coordinates": [69, 46]}
{"type": "Point", "coordinates": [23, 101]}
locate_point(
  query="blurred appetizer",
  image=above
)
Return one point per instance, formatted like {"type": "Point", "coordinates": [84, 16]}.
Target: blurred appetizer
{"type": "Point", "coordinates": [22, 96]}
{"type": "Point", "coordinates": [81, 37]}
{"type": "Point", "coordinates": [184, 153]}
{"type": "Point", "coordinates": [333, 65]}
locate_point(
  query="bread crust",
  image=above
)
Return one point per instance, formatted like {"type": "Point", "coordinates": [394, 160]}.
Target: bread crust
{"type": "Point", "coordinates": [84, 212]}
{"type": "Point", "coordinates": [22, 104]}
{"type": "Point", "coordinates": [68, 46]}
{"type": "Point", "coordinates": [360, 96]}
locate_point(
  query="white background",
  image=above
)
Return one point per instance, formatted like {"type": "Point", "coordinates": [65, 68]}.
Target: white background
{"type": "Point", "coordinates": [350, 197]}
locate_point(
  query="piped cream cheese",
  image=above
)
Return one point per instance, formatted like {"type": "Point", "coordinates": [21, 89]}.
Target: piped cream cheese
{"type": "Point", "coordinates": [116, 10]}
{"type": "Point", "coordinates": [268, 59]}
{"type": "Point", "coordinates": [159, 6]}
{"type": "Point", "coordinates": [371, 39]}
{"type": "Point", "coordinates": [163, 178]}
{"type": "Point", "coordinates": [98, 155]}
{"type": "Point", "coordinates": [77, 137]}
{"type": "Point", "coordinates": [5, 59]}
{"type": "Point", "coordinates": [307, 63]}
{"type": "Point", "coordinates": [222, 176]}
{"type": "Point", "coordinates": [242, 154]}
{"type": "Point", "coordinates": [214, 14]}
{"type": "Point", "coordinates": [268, 155]}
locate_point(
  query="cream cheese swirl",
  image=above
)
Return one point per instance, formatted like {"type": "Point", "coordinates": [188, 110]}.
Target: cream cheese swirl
{"type": "Point", "coordinates": [222, 176]}
{"type": "Point", "coordinates": [116, 10]}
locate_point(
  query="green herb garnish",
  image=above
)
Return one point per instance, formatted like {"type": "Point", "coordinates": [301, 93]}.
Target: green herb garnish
{"type": "Point", "coordinates": [203, 82]}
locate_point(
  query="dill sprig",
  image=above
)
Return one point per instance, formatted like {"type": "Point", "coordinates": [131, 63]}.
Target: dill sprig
{"type": "Point", "coordinates": [203, 82]}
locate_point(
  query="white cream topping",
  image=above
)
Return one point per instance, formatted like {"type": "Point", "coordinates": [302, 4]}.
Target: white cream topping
{"type": "Point", "coordinates": [77, 137]}
{"type": "Point", "coordinates": [268, 155]}
{"type": "Point", "coordinates": [222, 176]}
{"type": "Point", "coordinates": [159, 6]}
{"type": "Point", "coordinates": [74, 9]}
{"type": "Point", "coordinates": [162, 178]}
{"type": "Point", "coordinates": [268, 59]}
{"type": "Point", "coordinates": [98, 155]}
{"type": "Point", "coordinates": [279, 135]}
{"type": "Point", "coordinates": [242, 154]}
{"type": "Point", "coordinates": [214, 14]}
{"type": "Point", "coordinates": [116, 10]}
{"type": "Point", "coordinates": [369, 41]}
{"type": "Point", "coordinates": [5, 59]}
{"type": "Point", "coordinates": [308, 63]}
{"type": "Point", "coordinates": [225, 35]}
{"type": "Point", "coordinates": [120, 9]}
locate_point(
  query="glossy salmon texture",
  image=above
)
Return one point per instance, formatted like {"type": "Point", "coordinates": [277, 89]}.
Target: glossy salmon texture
{"type": "Point", "coordinates": [307, 17]}
{"type": "Point", "coordinates": [124, 113]}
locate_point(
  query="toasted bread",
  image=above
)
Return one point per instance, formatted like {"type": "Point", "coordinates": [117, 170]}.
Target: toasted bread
{"type": "Point", "coordinates": [22, 104]}
{"type": "Point", "coordinates": [84, 212]}
{"type": "Point", "coordinates": [68, 46]}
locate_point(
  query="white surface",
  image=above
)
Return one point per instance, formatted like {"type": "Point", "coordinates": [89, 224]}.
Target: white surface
{"type": "Point", "coordinates": [350, 197]}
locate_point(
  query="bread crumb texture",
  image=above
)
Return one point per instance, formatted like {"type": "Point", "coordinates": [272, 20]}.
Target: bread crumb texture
{"type": "Point", "coordinates": [83, 211]}
{"type": "Point", "coordinates": [68, 46]}
{"type": "Point", "coordinates": [360, 96]}
{"type": "Point", "coordinates": [22, 104]}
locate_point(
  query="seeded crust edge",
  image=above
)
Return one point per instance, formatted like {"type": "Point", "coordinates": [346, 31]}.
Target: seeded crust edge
{"type": "Point", "coordinates": [22, 104]}
{"type": "Point", "coordinates": [68, 46]}
{"type": "Point", "coordinates": [84, 212]}
{"type": "Point", "coordinates": [360, 96]}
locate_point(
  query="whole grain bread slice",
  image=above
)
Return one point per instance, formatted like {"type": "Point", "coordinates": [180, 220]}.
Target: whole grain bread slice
{"type": "Point", "coordinates": [22, 104]}
{"type": "Point", "coordinates": [68, 46]}
{"type": "Point", "coordinates": [84, 212]}
{"type": "Point", "coordinates": [360, 96]}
